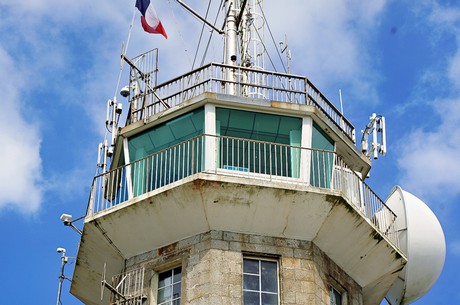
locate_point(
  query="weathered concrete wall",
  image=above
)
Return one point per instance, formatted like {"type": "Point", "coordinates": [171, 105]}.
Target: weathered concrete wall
{"type": "Point", "coordinates": [212, 269]}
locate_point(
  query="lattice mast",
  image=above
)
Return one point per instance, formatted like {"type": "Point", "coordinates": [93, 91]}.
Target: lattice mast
{"type": "Point", "coordinates": [252, 36]}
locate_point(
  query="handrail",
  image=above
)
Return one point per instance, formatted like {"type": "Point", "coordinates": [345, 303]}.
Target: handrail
{"type": "Point", "coordinates": [248, 82]}
{"type": "Point", "coordinates": [246, 158]}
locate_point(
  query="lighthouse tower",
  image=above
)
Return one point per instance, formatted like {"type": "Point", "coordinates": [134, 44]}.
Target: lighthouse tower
{"type": "Point", "coordinates": [232, 184]}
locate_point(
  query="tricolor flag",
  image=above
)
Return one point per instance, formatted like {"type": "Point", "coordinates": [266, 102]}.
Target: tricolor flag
{"type": "Point", "coordinates": [149, 19]}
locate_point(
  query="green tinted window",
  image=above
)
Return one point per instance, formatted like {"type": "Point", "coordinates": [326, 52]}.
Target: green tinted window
{"type": "Point", "coordinates": [257, 126]}
{"type": "Point", "coordinates": [322, 158]}
{"type": "Point", "coordinates": [166, 135]}
{"type": "Point", "coordinates": [320, 140]}
{"type": "Point", "coordinates": [161, 159]}
{"type": "Point", "coordinates": [263, 154]}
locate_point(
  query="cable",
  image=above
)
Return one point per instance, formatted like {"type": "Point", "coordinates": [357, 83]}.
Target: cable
{"type": "Point", "coordinates": [265, 48]}
{"type": "Point", "coordinates": [271, 61]}
{"type": "Point", "coordinates": [124, 50]}
{"type": "Point", "coordinates": [180, 34]}
{"type": "Point", "coordinates": [201, 35]}
{"type": "Point", "coordinates": [273, 39]}
{"type": "Point", "coordinates": [212, 32]}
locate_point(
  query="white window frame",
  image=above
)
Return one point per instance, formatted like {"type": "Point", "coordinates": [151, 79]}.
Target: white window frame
{"type": "Point", "coordinates": [155, 285]}
{"type": "Point", "coordinates": [260, 291]}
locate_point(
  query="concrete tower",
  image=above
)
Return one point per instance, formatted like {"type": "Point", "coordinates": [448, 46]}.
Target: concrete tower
{"type": "Point", "coordinates": [223, 189]}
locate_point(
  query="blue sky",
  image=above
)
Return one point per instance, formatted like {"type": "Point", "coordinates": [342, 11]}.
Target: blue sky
{"type": "Point", "coordinates": [59, 63]}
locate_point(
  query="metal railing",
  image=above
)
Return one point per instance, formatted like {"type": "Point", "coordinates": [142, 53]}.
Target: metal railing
{"type": "Point", "coordinates": [248, 83]}
{"type": "Point", "coordinates": [246, 158]}
{"type": "Point", "coordinates": [127, 288]}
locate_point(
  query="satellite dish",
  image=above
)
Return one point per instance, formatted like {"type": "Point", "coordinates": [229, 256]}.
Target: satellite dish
{"type": "Point", "coordinates": [422, 240]}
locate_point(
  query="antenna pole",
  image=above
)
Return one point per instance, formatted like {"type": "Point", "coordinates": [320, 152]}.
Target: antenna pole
{"type": "Point", "coordinates": [230, 45]}
{"type": "Point", "coordinates": [61, 276]}
{"type": "Point", "coordinates": [341, 102]}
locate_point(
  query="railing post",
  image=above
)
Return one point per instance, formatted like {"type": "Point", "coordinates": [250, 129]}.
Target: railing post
{"type": "Point", "coordinates": [129, 181]}
{"type": "Point", "coordinates": [305, 154]}
{"type": "Point", "coordinates": [209, 138]}
{"type": "Point", "coordinates": [90, 211]}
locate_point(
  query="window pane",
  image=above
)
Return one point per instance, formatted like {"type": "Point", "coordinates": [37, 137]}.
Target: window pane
{"type": "Point", "coordinates": [164, 294]}
{"type": "Point", "coordinates": [336, 297]}
{"type": "Point", "coordinates": [320, 140]}
{"type": "Point", "coordinates": [251, 298]}
{"type": "Point", "coordinates": [177, 274]}
{"type": "Point", "coordinates": [251, 266]}
{"type": "Point", "coordinates": [269, 276]}
{"type": "Point", "coordinates": [176, 290]}
{"type": "Point", "coordinates": [251, 282]}
{"type": "Point", "coordinates": [167, 134]}
{"type": "Point", "coordinates": [164, 279]}
{"type": "Point", "coordinates": [269, 299]}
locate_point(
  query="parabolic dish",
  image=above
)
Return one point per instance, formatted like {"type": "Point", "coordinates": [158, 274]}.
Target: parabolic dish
{"type": "Point", "coordinates": [422, 240]}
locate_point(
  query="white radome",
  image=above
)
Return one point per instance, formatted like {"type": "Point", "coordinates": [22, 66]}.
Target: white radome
{"type": "Point", "coordinates": [422, 240]}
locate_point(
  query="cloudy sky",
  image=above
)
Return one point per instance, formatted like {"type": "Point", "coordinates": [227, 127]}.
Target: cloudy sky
{"type": "Point", "coordinates": [59, 63]}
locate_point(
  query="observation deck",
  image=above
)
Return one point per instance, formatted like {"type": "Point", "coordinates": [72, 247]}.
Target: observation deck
{"type": "Point", "coordinates": [274, 158]}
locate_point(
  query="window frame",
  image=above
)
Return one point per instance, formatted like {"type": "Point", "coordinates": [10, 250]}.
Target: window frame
{"type": "Point", "coordinates": [261, 292]}
{"type": "Point", "coordinates": [335, 286]}
{"type": "Point", "coordinates": [155, 285]}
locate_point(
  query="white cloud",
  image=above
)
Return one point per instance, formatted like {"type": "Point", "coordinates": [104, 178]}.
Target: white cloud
{"type": "Point", "coordinates": [329, 41]}
{"type": "Point", "coordinates": [454, 67]}
{"type": "Point", "coordinates": [37, 57]}
{"type": "Point", "coordinates": [429, 158]}
{"type": "Point", "coordinates": [445, 16]}
{"type": "Point", "coordinates": [21, 169]}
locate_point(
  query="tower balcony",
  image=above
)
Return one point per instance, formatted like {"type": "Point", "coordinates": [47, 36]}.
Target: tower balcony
{"type": "Point", "coordinates": [281, 88]}
{"type": "Point", "coordinates": [246, 161]}
{"type": "Point", "coordinates": [221, 183]}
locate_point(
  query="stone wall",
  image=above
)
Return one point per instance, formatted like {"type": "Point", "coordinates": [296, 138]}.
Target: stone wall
{"type": "Point", "coordinates": [212, 269]}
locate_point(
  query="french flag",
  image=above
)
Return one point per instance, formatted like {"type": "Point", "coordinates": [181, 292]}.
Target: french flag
{"type": "Point", "coordinates": [149, 19]}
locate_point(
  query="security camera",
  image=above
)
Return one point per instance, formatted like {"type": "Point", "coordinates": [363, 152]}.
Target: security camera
{"type": "Point", "coordinates": [60, 250]}
{"type": "Point", "coordinates": [66, 218]}
{"type": "Point", "coordinates": [125, 91]}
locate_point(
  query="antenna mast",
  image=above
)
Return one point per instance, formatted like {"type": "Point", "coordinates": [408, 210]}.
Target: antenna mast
{"type": "Point", "coordinates": [378, 146]}
{"type": "Point", "coordinates": [243, 21]}
{"type": "Point", "coordinates": [252, 36]}
{"type": "Point", "coordinates": [230, 39]}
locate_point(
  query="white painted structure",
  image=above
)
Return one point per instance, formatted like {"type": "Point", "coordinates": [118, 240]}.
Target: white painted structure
{"type": "Point", "coordinates": [422, 240]}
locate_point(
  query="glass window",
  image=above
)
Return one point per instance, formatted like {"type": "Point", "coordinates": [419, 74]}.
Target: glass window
{"type": "Point", "coordinates": [322, 158]}
{"type": "Point", "coordinates": [260, 282]}
{"type": "Point", "coordinates": [257, 126]}
{"type": "Point", "coordinates": [169, 287]}
{"type": "Point", "coordinates": [166, 135]}
{"type": "Point", "coordinates": [253, 156]}
{"type": "Point", "coordinates": [336, 297]}
{"type": "Point", "coordinates": [169, 161]}
{"type": "Point", "coordinates": [320, 140]}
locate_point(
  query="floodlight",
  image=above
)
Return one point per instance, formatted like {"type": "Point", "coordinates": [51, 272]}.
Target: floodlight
{"type": "Point", "coordinates": [66, 218]}
{"type": "Point", "coordinates": [68, 221]}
